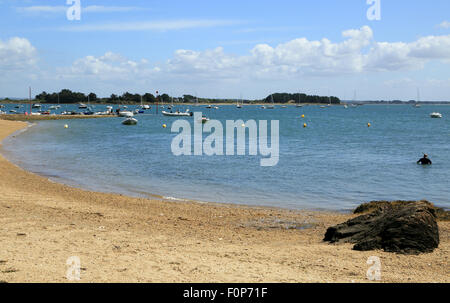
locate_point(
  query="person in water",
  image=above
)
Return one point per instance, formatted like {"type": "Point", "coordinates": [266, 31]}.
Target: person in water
{"type": "Point", "coordinates": [424, 160]}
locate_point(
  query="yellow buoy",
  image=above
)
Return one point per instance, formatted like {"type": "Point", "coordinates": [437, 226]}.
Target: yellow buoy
{"type": "Point", "coordinates": [66, 126]}
{"type": "Point", "coordinates": [369, 125]}
{"type": "Point", "coordinates": [303, 116]}
{"type": "Point", "coordinates": [164, 126]}
{"type": "Point", "coordinates": [305, 125]}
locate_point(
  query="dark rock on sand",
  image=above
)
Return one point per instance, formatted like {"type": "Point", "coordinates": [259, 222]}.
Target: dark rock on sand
{"type": "Point", "coordinates": [404, 227]}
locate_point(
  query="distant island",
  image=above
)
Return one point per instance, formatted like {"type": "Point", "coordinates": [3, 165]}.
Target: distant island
{"type": "Point", "coordinates": [66, 96]}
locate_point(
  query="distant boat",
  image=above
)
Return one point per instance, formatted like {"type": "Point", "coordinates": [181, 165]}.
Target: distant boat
{"type": "Point", "coordinates": [239, 105]}
{"type": "Point", "coordinates": [436, 115]}
{"type": "Point", "coordinates": [36, 105]}
{"type": "Point", "coordinates": [130, 121]}
{"type": "Point", "coordinates": [204, 119]}
{"type": "Point", "coordinates": [187, 113]}
{"type": "Point", "coordinates": [271, 106]}
{"type": "Point", "coordinates": [345, 106]}
{"type": "Point", "coordinates": [144, 106]}
{"type": "Point", "coordinates": [82, 106]}
{"type": "Point", "coordinates": [216, 107]}
{"type": "Point", "coordinates": [125, 113]}
{"type": "Point", "coordinates": [418, 99]}
{"type": "Point", "coordinates": [209, 106]}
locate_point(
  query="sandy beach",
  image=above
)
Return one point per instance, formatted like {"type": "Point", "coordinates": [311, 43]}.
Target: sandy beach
{"type": "Point", "coordinates": [124, 239]}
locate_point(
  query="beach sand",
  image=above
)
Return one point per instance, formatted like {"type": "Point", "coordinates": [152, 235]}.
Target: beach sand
{"type": "Point", "coordinates": [124, 239]}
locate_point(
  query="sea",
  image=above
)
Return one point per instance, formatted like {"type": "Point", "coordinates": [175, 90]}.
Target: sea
{"type": "Point", "coordinates": [334, 163]}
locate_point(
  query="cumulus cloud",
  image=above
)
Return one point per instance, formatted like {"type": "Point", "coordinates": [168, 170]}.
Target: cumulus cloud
{"type": "Point", "coordinates": [445, 24]}
{"type": "Point", "coordinates": [108, 66]}
{"type": "Point", "coordinates": [357, 53]}
{"type": "Point", "coordinates": [17, 54]}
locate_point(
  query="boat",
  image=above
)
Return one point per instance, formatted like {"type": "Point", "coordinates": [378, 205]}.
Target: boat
{"type": "Point", "coordinates": [144, 106]}
{"type": "Point", "coordinates": [204, 119]}
{"type": "Point", "coordinates": [216, 107]}
{"type": "Point", "coordinates": [82, 106]}
{"type": "Point", "coordinates": [12, 111]}
{"type": "Point", "coordinates": [36, 105]}
{"type": "Point", "coordinates": [271, 106]}
{"type": "Point", "coordinates": [263, 107]}
{"type": "Point", "coordinates": [125, 113]}
{"type": "Point", "coordinates": [418, 99]}
{"type": "Point", "coordinates": [209, 106]}
{"type": "Point", "coordinates": [436, 115]}
{"type": "Point", "coordinates": [239, 105]}
{"type": "Point", "coordinates": [345, 106]}
{"type": "Point", "coordinates": [187, 113]}
{"type": "Point", "coordinates": [2, 112]}
{"type": "Point", "coordinates": [130, 121]}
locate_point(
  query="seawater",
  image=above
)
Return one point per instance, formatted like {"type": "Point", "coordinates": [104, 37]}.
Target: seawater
{"type": "Point", "coordinates": [335, 163]}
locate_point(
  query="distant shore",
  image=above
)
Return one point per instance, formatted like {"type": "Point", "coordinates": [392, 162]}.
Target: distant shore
{"type": "Point", "coordinates": [21, 117]}
{"type": "Point", "coordinates": [125, 239]}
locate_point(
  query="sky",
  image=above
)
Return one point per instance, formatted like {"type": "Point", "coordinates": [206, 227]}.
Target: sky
{"type": "Point", "coordinates": [230, 48]}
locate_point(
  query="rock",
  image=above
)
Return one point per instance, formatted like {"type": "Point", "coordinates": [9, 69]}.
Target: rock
{"type": "Point", "coordinates": [441, 214]}
{"type": "Point", "coordinates": [408, 227]}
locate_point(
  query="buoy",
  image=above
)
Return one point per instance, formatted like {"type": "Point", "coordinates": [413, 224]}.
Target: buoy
{"type": "Point", "coordinates": [305, 125]}
{"type": "Point", "coordinates": [66, 126]}
{"type": "Point", "coordinates": [368, 124]}
{"type": "Point", "coordinates": [303, 116]}
{"type": "Point", "coordinates": [164, 126]}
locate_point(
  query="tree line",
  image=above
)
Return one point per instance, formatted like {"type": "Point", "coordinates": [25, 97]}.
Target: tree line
{"type": "Point", "coordinates": [67, 96]}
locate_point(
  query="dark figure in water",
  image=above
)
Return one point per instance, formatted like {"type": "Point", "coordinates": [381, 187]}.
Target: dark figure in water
{"type": "Point", "coordinates": [424, 160]}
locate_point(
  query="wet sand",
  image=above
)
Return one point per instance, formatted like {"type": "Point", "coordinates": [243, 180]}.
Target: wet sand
{"type": "Point", "coordinates": [124, 239]}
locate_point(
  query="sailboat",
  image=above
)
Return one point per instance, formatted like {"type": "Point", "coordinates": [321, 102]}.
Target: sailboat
{"type": "Point", "coordinates": [418, 99]}
{"type": "Point", "coordinates": [299, 100]}
{"type": "Point", "coordinates": [239, 105]}
{"type": "Point", "coordinates": [271, 106]}
{"type": "Point", "coordinates": [144, 106]}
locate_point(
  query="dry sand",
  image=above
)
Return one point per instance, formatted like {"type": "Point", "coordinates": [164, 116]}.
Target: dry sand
{"type": "Point", "coordinates": [123, 239]}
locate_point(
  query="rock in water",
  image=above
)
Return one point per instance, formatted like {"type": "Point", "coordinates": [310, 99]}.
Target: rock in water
{"type": "Point", "coordinates": [402, 227]}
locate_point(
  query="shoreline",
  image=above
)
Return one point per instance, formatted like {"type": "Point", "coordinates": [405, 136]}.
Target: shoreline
{"type": "Point", "coordinates": [126, 239]}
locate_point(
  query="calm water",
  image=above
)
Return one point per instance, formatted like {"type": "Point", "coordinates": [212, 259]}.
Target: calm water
{"type": "Point", "coordinates": [335, 163]}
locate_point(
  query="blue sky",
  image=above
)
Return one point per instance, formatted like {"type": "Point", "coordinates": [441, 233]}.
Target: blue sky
{"type": "Point", "coordinates": [228, 48]}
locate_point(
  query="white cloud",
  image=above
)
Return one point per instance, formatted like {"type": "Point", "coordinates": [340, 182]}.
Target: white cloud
{"type": "Point", "coordinates": [357, 53]}
{"type": "Point", "coordinates": [17, 54]}
{"type": "Point", "coordinates": [148, 25]}
{"type": "Point", "coordinates": [445, 24]}
{"type": "Point", "coordinates": [108, 66]}
{"type": "Point", "coordinates": [48, 9]}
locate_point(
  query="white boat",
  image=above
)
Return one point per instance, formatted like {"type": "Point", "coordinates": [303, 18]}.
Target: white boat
{"type": "Point", "coordinates": [130, 121]}
{"type": "Point", "coordinates": [272, 105]}
{"type": "Point", "coordinates": [35, 114]}
{"type": "Point", "coordinates": [126, 113]}
{"type": "Point", "coordinates": [82, 106]}
{"type": "Point", "coordinates": [216, 107]}
{"type": "Point", "coordinates": [209, 106]}
{"type": "Point", "coordinates": [436, 115]}
{"type": "Point", "coordinates": [187, 113]}
{"type": "Point", "coordinates": [36, 105]}
{"type": "Point", "coordinates": [144, 106]}
{"type": "Point", "coordinates": [345, 106]}
{"type": "Point", "coordinates": [239, 105]}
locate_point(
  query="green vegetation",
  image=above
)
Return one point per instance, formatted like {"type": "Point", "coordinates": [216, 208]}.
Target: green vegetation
{"type": "Point", "coordinates": [67, 96]}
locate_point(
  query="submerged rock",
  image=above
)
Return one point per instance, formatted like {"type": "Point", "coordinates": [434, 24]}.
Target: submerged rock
{"type": "Point", "coordinates": [404, 227]}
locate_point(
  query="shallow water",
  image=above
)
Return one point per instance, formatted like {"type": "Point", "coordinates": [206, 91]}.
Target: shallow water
{"type": "Point", "coordinates": [335, 163]}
